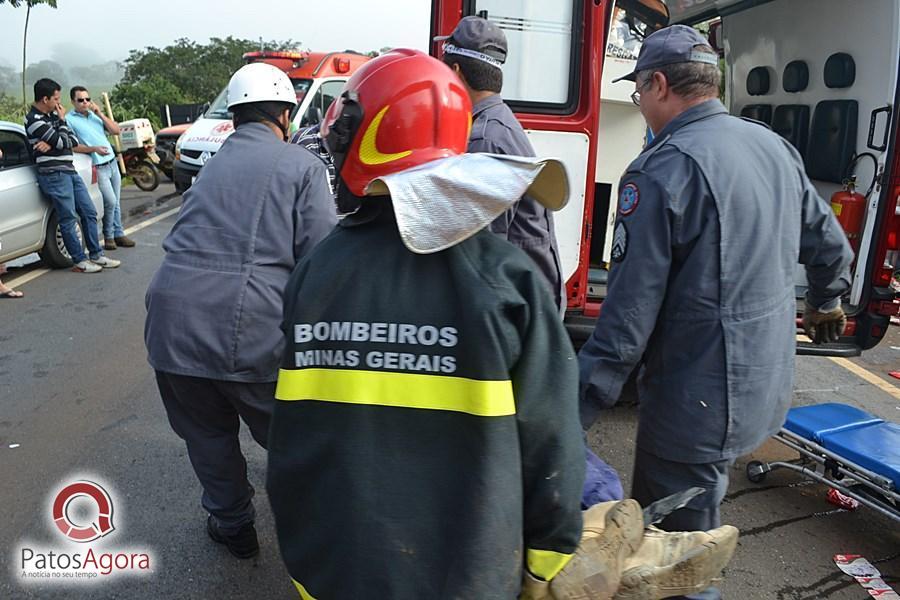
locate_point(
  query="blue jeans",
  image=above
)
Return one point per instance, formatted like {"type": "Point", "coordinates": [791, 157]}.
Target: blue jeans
{"type": "Point", "coordinates": [72, 202]}
{"type": "Point", "coordinates": [110, 181]}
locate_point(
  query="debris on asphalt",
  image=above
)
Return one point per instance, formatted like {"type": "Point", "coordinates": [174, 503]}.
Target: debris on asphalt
{"type": "Point", "coordinates": [841, 500]}
{"type": "Point", "coordinates": [13, 446]}
{"type": "Point", "coordinates": [866, 575]}
{"type": "Point", "coordinates": [894, 374]}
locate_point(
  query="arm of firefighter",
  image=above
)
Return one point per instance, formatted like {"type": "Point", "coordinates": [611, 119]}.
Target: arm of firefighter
{"type": "Point", "coordinates": [824, 249]}
{"type": "Point", "coordinates": [639, 271]}
{"type": "Point", "coordinates": [315, 214]}
{"type": "Point", "coordinates": [545, 389]}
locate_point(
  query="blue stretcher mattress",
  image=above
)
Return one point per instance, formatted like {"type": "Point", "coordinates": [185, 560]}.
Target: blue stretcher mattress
{"type": "Point", "coordinates": [852, 434]}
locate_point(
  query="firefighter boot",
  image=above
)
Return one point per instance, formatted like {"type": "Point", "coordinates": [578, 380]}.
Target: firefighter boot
{"type": "Point", "coordinates": [676, 563]}
{"type": "Point", "coordinates": [612, 533]}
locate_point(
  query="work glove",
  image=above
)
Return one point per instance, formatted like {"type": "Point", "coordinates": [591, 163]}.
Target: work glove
{"type": "Point", "coordinates": [824, 327]}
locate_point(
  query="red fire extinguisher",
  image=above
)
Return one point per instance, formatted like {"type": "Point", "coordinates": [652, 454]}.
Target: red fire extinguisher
{"type": "Point", "coordinates": [850, 208]}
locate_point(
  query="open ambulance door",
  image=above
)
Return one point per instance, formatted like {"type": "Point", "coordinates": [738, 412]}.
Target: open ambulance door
{"type": "Point", "coordinates": [552, 81]}
{"type": "Point", "coordinates": [832, 92]}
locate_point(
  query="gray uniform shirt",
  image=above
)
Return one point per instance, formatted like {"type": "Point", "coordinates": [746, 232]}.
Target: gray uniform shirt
{"type": "Point", "coordinates": [527, 224]}
{"type": "Point", "coordinates": [712, 218]}
{"type": "Point", "coordinates": [214, 307]}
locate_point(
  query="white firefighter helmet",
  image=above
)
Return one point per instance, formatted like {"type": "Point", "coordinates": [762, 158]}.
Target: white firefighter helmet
{"type": "Point", "coordinates": [260, 82]}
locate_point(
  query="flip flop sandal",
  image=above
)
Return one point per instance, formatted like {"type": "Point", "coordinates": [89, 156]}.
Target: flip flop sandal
{"type": "Point", "coordinates": [12, 294]}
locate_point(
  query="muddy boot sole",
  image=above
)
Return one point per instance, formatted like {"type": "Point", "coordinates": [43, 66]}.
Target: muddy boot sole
{"type": "Point", "coordinates": [692, 573]}
{"type": "Point", "coordinates": [595, 570]}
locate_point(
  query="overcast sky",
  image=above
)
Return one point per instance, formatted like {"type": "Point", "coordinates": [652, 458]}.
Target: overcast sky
{"type": "Point", "coordinates": [87, 32]}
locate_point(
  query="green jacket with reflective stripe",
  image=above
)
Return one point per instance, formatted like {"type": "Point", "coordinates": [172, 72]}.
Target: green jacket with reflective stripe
{"type": "Point", "coordinates": [426, 441]}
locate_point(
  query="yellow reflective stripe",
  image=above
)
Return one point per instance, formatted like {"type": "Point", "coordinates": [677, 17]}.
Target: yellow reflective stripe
{"type": "Point", "coordinates": [303, 593]}
{"type": "Point", "coordinates": [546, 564]}
{"type": "Point", "coordinates": [404, 390]}
{"type": "Point", "coordinates": [369, 154]}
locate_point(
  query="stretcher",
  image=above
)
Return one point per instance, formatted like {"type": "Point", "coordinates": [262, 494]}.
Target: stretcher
{"type": "Point", "coordinates": [845, 448]}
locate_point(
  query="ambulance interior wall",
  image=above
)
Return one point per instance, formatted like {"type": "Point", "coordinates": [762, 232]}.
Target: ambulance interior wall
{"type": "Point", "coordinates": [775, 33]}
{"type": "Point", "coordinates": [620, 139]}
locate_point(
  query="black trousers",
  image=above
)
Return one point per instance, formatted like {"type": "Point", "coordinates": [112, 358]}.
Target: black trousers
{"type": "Point", "coordinates": [206, 414]}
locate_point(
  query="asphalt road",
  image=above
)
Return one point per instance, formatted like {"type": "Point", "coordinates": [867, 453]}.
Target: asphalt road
{"type": "Point", "coordinates": [77, 399]}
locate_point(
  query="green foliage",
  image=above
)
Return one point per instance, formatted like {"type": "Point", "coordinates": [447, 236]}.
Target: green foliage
{"type": "Point", "coordinates": [144, 99]}
{"type": "Point", "coordinates": [32, 3]}
{"type": "Point", "coordinates": [184, 72]}
{"type": "Point", "coordinates": [12, 109]}
{"type": "Point", "coordinates": [46, 68]}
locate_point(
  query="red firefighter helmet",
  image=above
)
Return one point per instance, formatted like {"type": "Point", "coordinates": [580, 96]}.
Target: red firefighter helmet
{"type": "Point", "coordinates": [397, 111]}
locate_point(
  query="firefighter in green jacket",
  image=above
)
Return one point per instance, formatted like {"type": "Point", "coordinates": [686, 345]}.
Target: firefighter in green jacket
{"type": "Point", "coordinates": [426, 441]}
{"type": "Point", "coordinates": [426, 436]}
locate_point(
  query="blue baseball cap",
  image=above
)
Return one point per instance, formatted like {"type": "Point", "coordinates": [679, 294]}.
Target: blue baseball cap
{"type": "Point", "coordinates": [668, 46]}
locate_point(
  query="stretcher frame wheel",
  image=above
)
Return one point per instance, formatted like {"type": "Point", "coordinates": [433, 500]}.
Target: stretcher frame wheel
{"type": "Point", "coordinates": [756, 471]}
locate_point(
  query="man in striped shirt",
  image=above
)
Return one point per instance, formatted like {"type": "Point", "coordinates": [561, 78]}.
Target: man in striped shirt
{"type": "Point", "coordinates": [52, 142]}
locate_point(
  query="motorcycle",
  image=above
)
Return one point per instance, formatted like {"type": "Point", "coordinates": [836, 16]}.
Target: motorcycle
{"type": "Point", "coordinates": [141, 165]}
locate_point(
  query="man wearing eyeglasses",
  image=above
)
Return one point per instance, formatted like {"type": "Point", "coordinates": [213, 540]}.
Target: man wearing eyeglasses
{"type": "Point", "coordinates": [91, 127]}
{"type": "Point", "coordinates": [712, 218]}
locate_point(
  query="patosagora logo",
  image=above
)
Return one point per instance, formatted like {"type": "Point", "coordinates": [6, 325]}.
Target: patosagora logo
{"type": "Point", "coordinates": [81, 513]}
{"type": "Point", "coordinates": [91, 531]}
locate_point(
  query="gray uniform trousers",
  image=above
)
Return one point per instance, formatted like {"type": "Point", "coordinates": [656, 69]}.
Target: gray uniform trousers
{"type": "Point", "coordinates": [206, 414]}
{"type": "Point", "coordinates": [656, 478]}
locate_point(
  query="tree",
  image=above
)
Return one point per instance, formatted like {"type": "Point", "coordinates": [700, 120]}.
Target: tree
{"type": "Point", "coordinates": [29, 4]}
{"type": "Point", "coordinates": [46, 68]}
{"type": "Point", "coordinates": [184, 71]}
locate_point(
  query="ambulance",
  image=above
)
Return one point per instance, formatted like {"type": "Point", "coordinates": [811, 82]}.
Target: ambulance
{"type": "Point", "coordinates": [821, 73]}
{"type": "Point", "coordinates": [318, 79]}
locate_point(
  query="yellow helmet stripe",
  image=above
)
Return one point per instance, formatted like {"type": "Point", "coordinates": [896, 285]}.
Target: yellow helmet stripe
{"type": "Point", "coordinates": [368, 150]}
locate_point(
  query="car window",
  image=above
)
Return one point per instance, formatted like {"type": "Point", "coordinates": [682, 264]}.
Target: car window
{"type": "Point", "coordinates": [14, 149]}
{"type": "Point", "coordinates": [325, 95]}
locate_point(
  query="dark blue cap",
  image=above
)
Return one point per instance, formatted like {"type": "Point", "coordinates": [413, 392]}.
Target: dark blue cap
{"type": "Point", "coordinates": [674, 44]}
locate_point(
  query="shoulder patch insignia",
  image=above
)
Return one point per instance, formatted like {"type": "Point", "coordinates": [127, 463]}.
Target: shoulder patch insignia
{"type": "Point", "coordinates": [628, 199]}
{"type": "Point", "coordinates": [620, 243]}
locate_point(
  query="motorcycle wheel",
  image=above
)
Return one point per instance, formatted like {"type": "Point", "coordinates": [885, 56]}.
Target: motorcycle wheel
{"type": "Point", "coordinates": [145, 176]}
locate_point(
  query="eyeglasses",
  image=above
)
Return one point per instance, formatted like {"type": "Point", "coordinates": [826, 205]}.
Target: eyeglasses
{"type": "Point", "coordinates": [82, 99]}
{"type": "Point", "coordinates": [636, 94]}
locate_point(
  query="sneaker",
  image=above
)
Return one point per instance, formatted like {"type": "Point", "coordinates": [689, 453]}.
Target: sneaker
{"type": "Point", "coordinates": [243, 544]}
{"type": "Point", "coordinates": [676, 563]}
{"type": "Point", "coordinates": [106, 263]}
{"type": "Point", "coordinates": [109, 244]}
{"type": "Point", "coordinates": [612, 532]}
{"type": "Point", "coordinates": [125, 242]}
{"type": "Point", "coordinates": [86, 266]}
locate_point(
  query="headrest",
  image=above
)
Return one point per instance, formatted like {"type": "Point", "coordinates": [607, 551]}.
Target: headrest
{"type": "Point", "coordinates": [758, 83]}
{"type": "Point", "coordinates": [796, 76]}
{"type": "Point", "coordinates": [840, 70]}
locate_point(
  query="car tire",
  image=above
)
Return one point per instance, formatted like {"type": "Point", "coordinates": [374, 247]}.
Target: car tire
{"type": "Point", "coordinates": [54, 252]}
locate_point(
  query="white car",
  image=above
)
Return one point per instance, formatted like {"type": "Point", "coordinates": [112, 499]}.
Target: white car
{"type": "Point", "coordinates": [28, 222]}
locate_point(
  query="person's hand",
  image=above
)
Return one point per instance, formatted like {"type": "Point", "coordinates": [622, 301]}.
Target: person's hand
{"type": "Point", "coordinates": [101, 150]}
{"type": "Point", "coordinates": [42, 146]}
{"type": "Point", "coordinates": [61, 111]}
{"type": "Point", "coordinates": [96, 109]}
{"type": "Point", "coordinates": [824, 327]}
